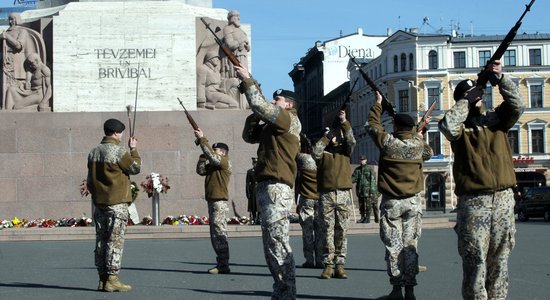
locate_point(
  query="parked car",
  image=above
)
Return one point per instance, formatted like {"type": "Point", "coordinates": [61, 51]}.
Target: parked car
{"type": "Point", "coordinates": [535, 203]}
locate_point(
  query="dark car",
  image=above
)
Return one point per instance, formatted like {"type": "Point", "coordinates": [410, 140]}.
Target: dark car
{"type": "Point", "coordinates": [535, 203]}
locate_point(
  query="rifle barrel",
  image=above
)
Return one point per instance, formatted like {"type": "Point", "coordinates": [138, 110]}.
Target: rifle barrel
{"type": "Point", "coordinates": [385, 103]}
{"type": "Point", "coordinates": [220, 43]}
{"type": "Point", "coordinates": [133, 129]}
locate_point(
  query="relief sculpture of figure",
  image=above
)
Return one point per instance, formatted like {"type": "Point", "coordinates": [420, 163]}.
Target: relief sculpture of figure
{"type": "Point", "coordinates": [237, 41]}
{"type": "Point", "coordinates": [37, 89]}
{"type": "Point", "coordinates": [218, 92]}
{"type": "Point", "coordinates": [18, 43]}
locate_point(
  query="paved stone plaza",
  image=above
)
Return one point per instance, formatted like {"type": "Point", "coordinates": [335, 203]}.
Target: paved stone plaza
{"type": "Point", "coordinates": [176, 269]}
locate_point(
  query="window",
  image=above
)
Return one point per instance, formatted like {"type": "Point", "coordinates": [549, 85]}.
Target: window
{"type": "Point", "coordinates": [487, 98]}
{"type": "Point", "coordinates": [432, 60]}
{"type": "Point", "coordinates": [403, 62]}
{"type": "Point", "coordinates": [510, 57]}
{"type": "Point", "coordinates": [411, 62]}
{"type": "Point", "coordinates": [535, 93]}
{"type": "Point", "coordinates": [434, 140]}
{"type": "Point", "coordinates": [459, 59]}
{"type": "Point", "coordinates": [484, 57]}
{"type": "Point", "coordinates": [537, 141]}
{"type": "Point", "coordinates": [395, 67]}
{"type": "Point", "coordinates": [433, 96]}
{"type": "Point", "coordinates": [513, 139]}
{"type": "Point", "coordinates": [403, 101]}
{"type": "Point", "coordinates": [534, 57]}
{"type": "Point", "coordinates": [380, 69]}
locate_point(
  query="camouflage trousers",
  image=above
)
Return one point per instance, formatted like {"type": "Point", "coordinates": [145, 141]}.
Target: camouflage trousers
{"type": "Point", "coordinates": [311, 221]}
{"type": "Point", "coordinates": [400, 229]}
{"type": "Point", "coordinates": [368, 204]}
{"type": "Point", "coordinates": [217, 215]}
{"type": "Point", "coordinates": [110, 226]}
{"type": "Point", "coordinates": [335, 209]}
{"type": "Point", "coordinates": [485, 228]}
{"type": "Point", "coordinates": [275, 201]}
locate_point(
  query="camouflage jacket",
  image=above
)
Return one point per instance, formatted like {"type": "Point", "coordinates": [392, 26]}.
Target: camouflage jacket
{"type": "Point", "coordinates": [277, 131]}
{"type": "Point", "coordinates": [217, 172]}
{"type": "Point", "coordinates": [109, 170]}
{"type": "Point", "coordinates": [307, 177]}
{"type": "Point", "coordinates": [402, 154]}
{"type": "Point", "coordinates": [365, 181]}
{"type": "Point", "coordinates": [482, 155]}
{"type": "Point", "coordinates": [333, 163]}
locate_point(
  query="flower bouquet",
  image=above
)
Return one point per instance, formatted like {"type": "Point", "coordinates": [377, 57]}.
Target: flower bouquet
{"type": "Point", "coordinates": [155, 183]}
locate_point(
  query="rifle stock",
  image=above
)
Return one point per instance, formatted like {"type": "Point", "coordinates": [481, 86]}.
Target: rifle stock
{"type": "Point", "coordinates": [386, 105]}
{"type": "Point", "coordinates": [428, 113]}
{"type": "Point", "coordinates": [189, 118]}
{"type": "Point", "coordinates": [220, 43]}
{"type": "Point", "coordinates": [486, 76]}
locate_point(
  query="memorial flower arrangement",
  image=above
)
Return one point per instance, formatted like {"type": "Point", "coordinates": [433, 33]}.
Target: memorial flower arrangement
{"type": "Point", "coordinates": [155, 183]}
{"type": "Point", "coordinates": [84, 188]}
{"type": "Point", "coordinates": [45, 223]}
{"type": "Point", "coordinates": [134, 189]}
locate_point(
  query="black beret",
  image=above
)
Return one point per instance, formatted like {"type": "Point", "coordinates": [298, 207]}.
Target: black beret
{"type": "Point", "coordinates": [287, 94]}
{"type": "Point", "coordinates": [113, 125]}
{"type": "Point", "coordinates": [363, 157]}
{"type": "Point", "coordinates": [462, 87]}
{"type": "Point", "coordinates": [220, 146]}
{"type": "Point", "coordinates": [404, 120]}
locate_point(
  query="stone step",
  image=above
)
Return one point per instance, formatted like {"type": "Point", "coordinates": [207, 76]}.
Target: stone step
{"type": "Point", "coordinates": [183, 231]}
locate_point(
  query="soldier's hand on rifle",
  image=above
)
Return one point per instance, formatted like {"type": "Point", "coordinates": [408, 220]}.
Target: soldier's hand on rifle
{"type": "Point", "coordinates": [198, 133]}
{"type": "Point", "coordinates": [378, 97]}
{"type": "Point", "coordinates": [242, 73]}
{"type": "Point", "coordinates": [496, 68]}
{"type": "Point", "coordinates": [132, 143]}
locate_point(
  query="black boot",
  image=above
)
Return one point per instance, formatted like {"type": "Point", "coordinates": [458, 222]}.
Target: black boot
{"type": "Point", "coordinates": [367, 217]}
{"type": "Point", "coordinates": [409, 292]}
{"type": "Point", "coordinates": [396, 293]}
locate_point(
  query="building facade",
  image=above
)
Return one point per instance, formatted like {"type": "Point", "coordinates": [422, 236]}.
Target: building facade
{"type": "Point", "coordinates": [415, 71]}
{"type": "Point", "coordinates": [322, 71]}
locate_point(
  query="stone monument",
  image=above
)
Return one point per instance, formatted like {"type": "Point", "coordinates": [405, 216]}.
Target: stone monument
{"type": "Point", "coordinates": [18, 88]}
{"type": "Point", "coordinates": [100, 49]}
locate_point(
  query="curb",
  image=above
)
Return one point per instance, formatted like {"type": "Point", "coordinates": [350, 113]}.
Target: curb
{"type": "Point", "coordinates": [182, 232]}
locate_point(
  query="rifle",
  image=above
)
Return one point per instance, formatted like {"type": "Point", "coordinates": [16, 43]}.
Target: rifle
{"type": "Point", "coordinates": [336, 123]}
{"type": "Point", "coordinates": [129, 113]}
{"type": "Point", "coordinates": [220, 43]}
{"type": "Point", "coordinates": [348, 97]}
{"type": "Point", "coordinates": [422, 122]}
{"type": "Point", "coordinates": [305, 143]}
{"type": "Point", "coordinates": [386, 105]}
{"type": "Point", "coordinates": [484, 76]}
{"type": "Point", "coordinates": [189, 118]}
{"type": "Point", "coordinates": [133, 128]}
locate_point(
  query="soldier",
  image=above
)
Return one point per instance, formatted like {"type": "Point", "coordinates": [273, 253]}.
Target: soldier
{"type": "Point", "coordinates": [308, 207]}
{"type": "Point", "coordinates": [484, 176]}
{"type": "Point", "coordinates": [400, 180]}
{"type": "Point", "coordinates": [332, 153]}
{"type": "Point", "coordinates": [366, 190]}
{"type": "Point", "coordinates": [215, 165]}
{"type": "Point", "coordinates": [276, 128]}
{"type": "Point", "coordinates": [251, 193]}
{"type": "Point", "coordinates": [109, 170]}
